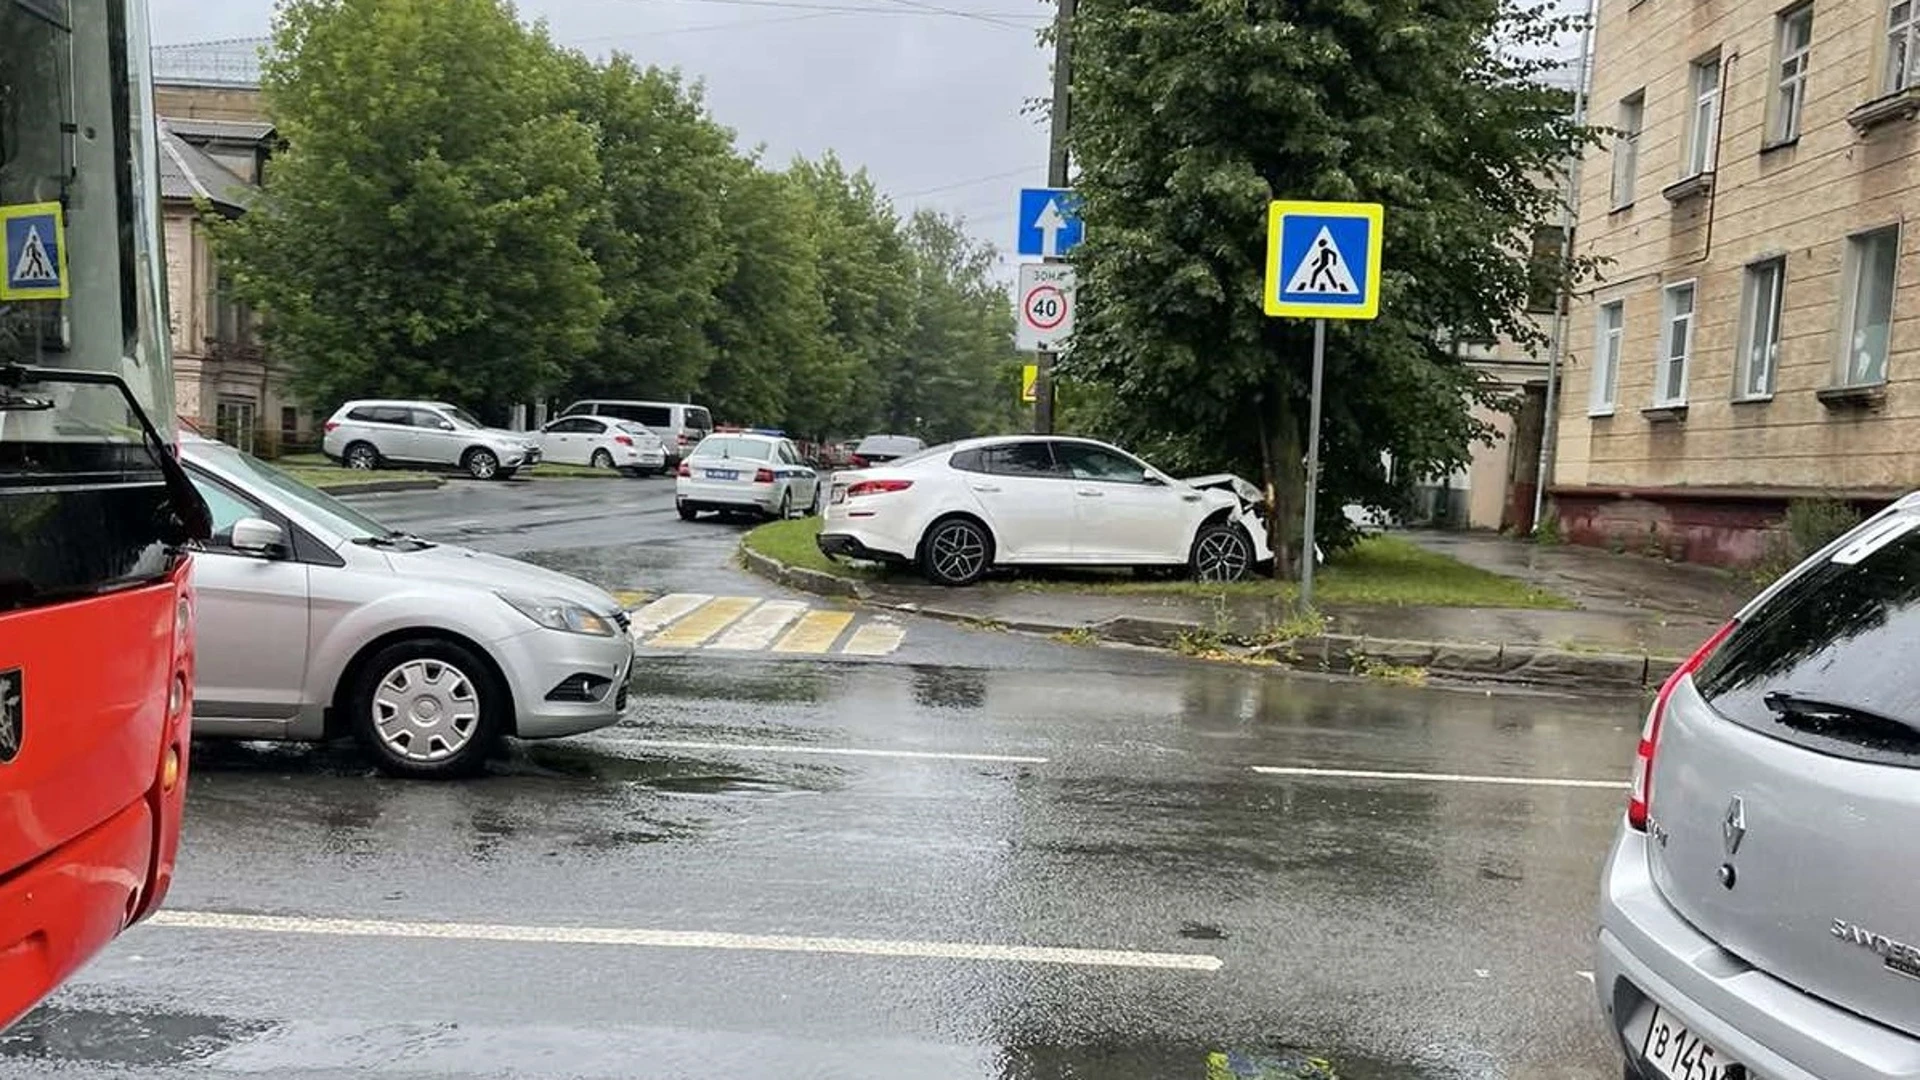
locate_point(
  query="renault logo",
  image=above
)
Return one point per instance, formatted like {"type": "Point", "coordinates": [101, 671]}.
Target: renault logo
{"type": "Point", "coordinates": [12, 714]}
{"type": "Point", "coordinates": [1733, 828]}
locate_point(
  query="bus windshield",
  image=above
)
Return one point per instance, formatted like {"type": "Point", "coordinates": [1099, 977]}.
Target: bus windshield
{"type": "Point", "coordinates": [88, 487]}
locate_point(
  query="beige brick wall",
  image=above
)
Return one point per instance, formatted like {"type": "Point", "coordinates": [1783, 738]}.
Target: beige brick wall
{"type": "Point", "coordinates": [1801, 202]}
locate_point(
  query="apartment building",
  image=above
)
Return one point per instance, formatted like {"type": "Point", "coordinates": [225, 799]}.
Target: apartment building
{"type": "Point", "coordinates": [1755, 335]}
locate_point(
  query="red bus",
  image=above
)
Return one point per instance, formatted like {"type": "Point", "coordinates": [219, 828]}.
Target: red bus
{"type": "Point", "coordinates": [97, 518]}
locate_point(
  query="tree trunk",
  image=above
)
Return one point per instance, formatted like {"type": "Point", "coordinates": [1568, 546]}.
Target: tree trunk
{"type": "Point", "coordinates": [1285, 480]}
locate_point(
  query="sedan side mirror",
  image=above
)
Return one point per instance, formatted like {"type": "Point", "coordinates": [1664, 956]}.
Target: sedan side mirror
{"type": "Point", "coordinates": [255, 536]}
{"type": "Point", "coordinates": [446, 425]}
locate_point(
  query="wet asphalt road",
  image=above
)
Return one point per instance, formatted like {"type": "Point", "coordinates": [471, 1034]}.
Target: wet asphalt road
{"type": "Point", "coordinates": [1010, 792]}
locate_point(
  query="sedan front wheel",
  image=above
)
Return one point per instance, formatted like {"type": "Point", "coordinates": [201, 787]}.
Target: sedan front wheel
{"type": "Point", "coordinates": [1222, 552]}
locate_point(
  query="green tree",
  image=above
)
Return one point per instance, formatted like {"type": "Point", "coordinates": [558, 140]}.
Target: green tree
{"type": "Point", "coordinates": [659, 238]}
{"type": "Point", "coordinates": [958, 374]}
{"type": "Point", "coordinates": [1191, 115]}
{"type": "Point", "coordinates": [422, 233]}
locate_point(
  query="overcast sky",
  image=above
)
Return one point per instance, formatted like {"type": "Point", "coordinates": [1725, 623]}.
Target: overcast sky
{"type": "Point", "coordinates": [930, 103]}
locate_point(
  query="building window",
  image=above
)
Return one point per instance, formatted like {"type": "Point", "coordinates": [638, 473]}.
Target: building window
{"type": "Point", "coordinates": [1790, 98]}
{"type": "Point", "coordinates": [1676, 346]}
{"type": "Point", "coordinates": [1545, 270]}
{"type": "Point", "coordinates": [1608, 336]}
{"type": "Point", "coordinates": [1626, 146]}
{"type": "Point", "coordinates": [1760, 304]}
{"type": "Point", "coordinates": [1703, 127]}
{"type": "Point", "coordinates": [1872, 259]}
{"type": "Point", "coordinates": [232, 319]}
{"type": "Point", "coordinates": [233, 423]}
{"type": "Point", "coordinates": [1901, 59]}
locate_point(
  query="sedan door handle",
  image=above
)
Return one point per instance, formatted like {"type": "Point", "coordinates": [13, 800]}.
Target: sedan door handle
{"type": "Point", "coordinates": [1092, 494]}
{"type": "Point", "coordinates": [988, 488]}
{"type": "Point", "coordinates": [1189, 498]}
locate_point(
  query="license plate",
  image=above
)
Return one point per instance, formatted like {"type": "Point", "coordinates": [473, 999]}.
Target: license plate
{"type": "Point", "coordinates": [722, 474]}
{"type": "Point", "coordinates": [839, 493]}
{"type": "Point", "coordinates": [1678, 1054]}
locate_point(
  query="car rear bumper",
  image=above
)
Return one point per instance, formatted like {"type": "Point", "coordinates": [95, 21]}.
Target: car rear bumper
{"type": "Point", "coordinates": [762, 498]}
{"type": "Point", "coordinates": [850, 546]}
{"type": "Point", "coordinates": [544, 666]}
{"type": "Point", "coordinates": [1648, 953]}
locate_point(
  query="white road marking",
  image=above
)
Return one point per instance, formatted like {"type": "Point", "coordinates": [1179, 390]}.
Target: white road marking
{"type": "Point", "coordinates": [877, 638]}
{"type": "Point", "coordinates": [1441, 778]}
{"type": "Point", "coordinates": [679, 939]}
{"type": "Point", "coordinates": [470, 524]}
{"type": "Point", "coordinates": [663, 611]}
{"type": "Point", "coordinates": [830, 751]}
{"type": "Point", "coordinates": [764, 623]}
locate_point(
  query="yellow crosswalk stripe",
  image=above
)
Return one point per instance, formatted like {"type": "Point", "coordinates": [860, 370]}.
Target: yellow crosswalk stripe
{"type": "Point", "coordinates": [704, 622]}
{"type": "Point", "coordinates": [877, 638]}
{"type": "Point", "coordinates": [631, 599]}
{"type": "Point", "coordinates": [657, 615]}
{"type": "Point", "coordinates": [761, 625]}
{"type": "Point", "coordinates": [816, 633]}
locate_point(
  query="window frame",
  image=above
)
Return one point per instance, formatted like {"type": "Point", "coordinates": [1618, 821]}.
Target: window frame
{"type": "Point", "coordinates": [1896, 74]}
{"type": "Point", "coordinates": [1061, 448]}
{"type": "Point", "coordinates": [1609, 345]}
{"type": "Point", "coordinates": [1851, 279]}
{"type": "Point", "coordinates": [1666, 359]}
{"type": "Point", "coordinates": [1787, 106]}
{"type": "Point", "coordinates": [1626, 148]}
{"type": "Point", "coordinates": [1703, 116]}
{"type": "Point", "coordinates": [1751, 315]}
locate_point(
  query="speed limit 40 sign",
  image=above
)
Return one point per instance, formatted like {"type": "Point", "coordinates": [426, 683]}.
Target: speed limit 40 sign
{"type": "Point", "coordinates": [1046, 307]}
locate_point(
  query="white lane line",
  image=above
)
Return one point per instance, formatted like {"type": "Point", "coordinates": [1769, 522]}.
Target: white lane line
{"type": "Point", "coordinates": [878, 638]}
{"type": "Point", "coordinates": [680, 939]}
{"type": "Point", "coordinates": [829, 751]}
{"type": "Point", "coordinates": [761, 625]}
{"type": "Point", "coordinates": [1441, 778]}
{"type": "Point", "coordinates": [663, 611]}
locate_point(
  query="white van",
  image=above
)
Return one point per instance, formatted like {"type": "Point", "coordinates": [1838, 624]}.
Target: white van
{"type": "Point", "coordinates": [681, 426]}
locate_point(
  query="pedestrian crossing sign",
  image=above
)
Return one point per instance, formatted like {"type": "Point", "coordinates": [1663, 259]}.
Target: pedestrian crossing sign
{"type": "Point", "coordinates": [1323, 260]}
{"type": "Point", "coordinates": [33, 258]}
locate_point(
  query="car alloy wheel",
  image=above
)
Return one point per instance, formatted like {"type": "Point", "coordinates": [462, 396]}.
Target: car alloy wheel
{"type": "Point", "coordinates": [482, 464]}
{"type": "Point", "coordinates": [1222, 552]}
{"type": "Point", "coordinates": [602, 459]}
{"type": "Point", "coordinates": [956, 553]}
{"type": "Point", "coordinates": [786, 505]}
{"type": "Point", "coordinates": [362, 456]}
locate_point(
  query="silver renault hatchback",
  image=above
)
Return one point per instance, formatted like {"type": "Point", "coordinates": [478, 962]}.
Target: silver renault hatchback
{"type": "Point", "coordinates": [315, 620]}
{"type": "Point", "coordinates": [1758, 915]}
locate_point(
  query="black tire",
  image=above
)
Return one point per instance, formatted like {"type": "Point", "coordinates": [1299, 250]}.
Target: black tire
{"type": "Point", "coordinates": [481, 463]}
{"type": "Point", "coordinates": [360, 455]}
{"type": "Point", "coordinates": [602, 459]}
{"type": "Point", "coordinates": [786, 506]}
{"type": "Point", "coordinates": [687, 513]}
{"type": "Point", "coordinates": [430, 674]}
{"type": "Point", "coordinates": [956, 551]}
{"type": "Point", "coordinates": [1221, 552]}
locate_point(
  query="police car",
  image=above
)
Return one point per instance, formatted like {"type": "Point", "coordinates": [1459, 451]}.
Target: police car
{"type": "Point", "coordinates": [746, 472]}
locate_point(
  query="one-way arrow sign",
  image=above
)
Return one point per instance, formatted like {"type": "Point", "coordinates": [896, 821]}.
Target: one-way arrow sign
{"type": "Point", "coordinates": [1049, 223]}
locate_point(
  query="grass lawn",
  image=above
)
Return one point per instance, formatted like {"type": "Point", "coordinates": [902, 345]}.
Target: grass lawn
{"type": "Point", "coordinates": [1380, 571]}
{"type": "Point", "coordinates": [325, 477]}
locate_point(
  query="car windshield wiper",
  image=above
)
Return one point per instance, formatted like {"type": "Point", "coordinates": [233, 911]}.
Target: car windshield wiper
{"type": "Point", "coordinates": [1819, 715]}
{"type": "Point", "coordinates": [394, 539]}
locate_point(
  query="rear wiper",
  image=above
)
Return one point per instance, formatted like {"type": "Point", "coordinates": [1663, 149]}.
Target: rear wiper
{"type": "Point", "coordinates": [1817, 714]}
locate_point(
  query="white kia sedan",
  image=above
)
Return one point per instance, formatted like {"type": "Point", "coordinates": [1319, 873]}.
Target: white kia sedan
{"type": "Point", "coordinates": [746, 473]}
{"type": "Point", "coordinates": [956, 511]}
{"type": "Point", "coordinates": [603, 442]}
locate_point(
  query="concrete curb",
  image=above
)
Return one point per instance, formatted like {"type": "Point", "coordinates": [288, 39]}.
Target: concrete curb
{"type": "Point", "coordinates": [381, 487]}
{"type": "Point", "coordinates": [1513, 664]}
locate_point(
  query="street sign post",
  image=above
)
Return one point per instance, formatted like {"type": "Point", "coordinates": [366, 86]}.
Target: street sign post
{"type": "Point", "coordinates": [1049, 226]}
{"type": "Point", "coordinates": [1323, 262]}
{"type": "Point", "coordinates": [33, 252]}
{"type": "Point", "coordinates": [1046, 307]}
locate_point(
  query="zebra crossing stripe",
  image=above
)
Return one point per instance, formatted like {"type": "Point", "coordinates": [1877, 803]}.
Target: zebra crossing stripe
{"type": "Point", "coordinates": [877, 638]}
{"type": "Point", "coordinates": [658, 614]}
{"type": "Point", "coordinates": [760, 626]}
{"type": "Point", "coordinates": [816, 633]}
{"type": "Point", "coordinates": [707, 620]}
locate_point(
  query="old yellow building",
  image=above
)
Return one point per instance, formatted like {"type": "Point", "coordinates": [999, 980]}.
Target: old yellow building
{"type": "Point", "coordinates": [1755, 337]}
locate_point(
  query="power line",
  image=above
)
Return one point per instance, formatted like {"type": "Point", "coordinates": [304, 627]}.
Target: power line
{"type": "Point", "coordinates": [737, 24]}
{"type": "Point", "coordinates": [991, 20]}
{"type": "Point", "coordinates": [1003, 19]}
{"type": "Point", "coordinates": [971, 182]}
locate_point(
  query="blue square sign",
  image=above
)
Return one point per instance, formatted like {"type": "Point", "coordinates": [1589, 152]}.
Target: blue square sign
{"type": "Point", "coordinates": [1049, 225]}
{"type": "Point", "coordinates": [33, 258]}
{"type": "Point", "coordinates": [1323, 260]}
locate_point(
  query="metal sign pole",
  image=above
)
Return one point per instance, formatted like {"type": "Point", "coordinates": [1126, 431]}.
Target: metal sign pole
{"type": "Point", "coordinates": [1313, 460]}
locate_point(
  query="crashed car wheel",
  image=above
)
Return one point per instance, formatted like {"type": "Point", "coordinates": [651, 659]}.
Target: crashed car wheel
{"type": "Point", "coordinates": [1222, 552]}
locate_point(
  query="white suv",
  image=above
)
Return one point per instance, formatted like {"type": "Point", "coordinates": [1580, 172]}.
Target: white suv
{"type": "Point", "coordinates": [369, 434]}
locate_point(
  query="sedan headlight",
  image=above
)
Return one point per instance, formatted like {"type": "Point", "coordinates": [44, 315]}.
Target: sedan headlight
{"type": "Point", "coordinates": [557, 614]}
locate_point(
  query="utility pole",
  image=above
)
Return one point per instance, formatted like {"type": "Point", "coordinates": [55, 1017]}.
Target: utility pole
{"type": "Point", "coordinates": [1056, 177]}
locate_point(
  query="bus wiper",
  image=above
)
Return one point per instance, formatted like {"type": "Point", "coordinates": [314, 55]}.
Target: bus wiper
{"type": "Point", "coordinates": [12, 402]}
{"type": "Point", "coordinates": [1820, 714]}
